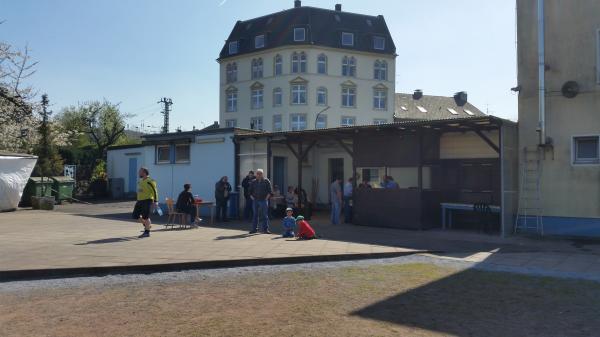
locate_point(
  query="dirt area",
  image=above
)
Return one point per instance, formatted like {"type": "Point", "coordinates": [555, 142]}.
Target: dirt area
{"type": "Point", "coordinates": [382, 300]}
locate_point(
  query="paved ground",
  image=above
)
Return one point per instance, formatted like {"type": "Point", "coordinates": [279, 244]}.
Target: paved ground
{"type": "Point", "coordinates": [103, 235]}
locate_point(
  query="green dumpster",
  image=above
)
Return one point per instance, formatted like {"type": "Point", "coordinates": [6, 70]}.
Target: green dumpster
{"type": "Point", "coordinates": [63, 188]}
{"type": "Point", "coordinates": [36, 188]}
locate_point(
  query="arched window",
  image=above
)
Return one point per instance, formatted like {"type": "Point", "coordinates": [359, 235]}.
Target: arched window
{"type": "Point", "coordinates": [380, 70]}
{"type": "Point", "coordinates": [231, 72]}
{"type": "Point", "coordinates": [321, 96]}
{"type": "Point", "coordinates": [278, 64]}
{"type": "Point", "coordinates": [298, 62]}
{"type": "Point", "coordinates": [277, 97]}
{"type": "Point", "coordinates": [257, 68]}
{"type": "Point", "coordinates": [349, 66]}
{"type": "Point", "coordinates": [231, 95]}
{"type": "Point", "coordinates": [322, 64]}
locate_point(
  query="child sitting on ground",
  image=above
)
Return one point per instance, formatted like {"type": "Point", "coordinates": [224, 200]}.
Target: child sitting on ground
{"type": "Point", "coordinates": [305, 231]}
{"type": "Point", "coordinates": [288, 224]}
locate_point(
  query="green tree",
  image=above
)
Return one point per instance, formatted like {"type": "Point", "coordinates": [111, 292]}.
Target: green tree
{"type": "Point", "coordinates": [49, 161]}
{"type": "Point", "coordinates": [101, 122]}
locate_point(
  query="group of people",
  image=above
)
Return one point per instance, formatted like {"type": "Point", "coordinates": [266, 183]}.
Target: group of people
{"type": "Point", "coordinates": [257, 190]}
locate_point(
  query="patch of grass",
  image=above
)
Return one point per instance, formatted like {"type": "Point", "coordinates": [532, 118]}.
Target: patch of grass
{"type": "Point", "coordinates": [384, 300]}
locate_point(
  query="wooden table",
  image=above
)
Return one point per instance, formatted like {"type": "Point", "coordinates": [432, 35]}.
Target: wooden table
{"type": "Point", "coordinates": [210, 205]}
{"type": "Point", "coordinates": [448, 207]}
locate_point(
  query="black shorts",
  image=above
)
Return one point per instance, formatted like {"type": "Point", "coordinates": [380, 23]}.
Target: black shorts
{"type": "Point", "coordinates": [142, 208]}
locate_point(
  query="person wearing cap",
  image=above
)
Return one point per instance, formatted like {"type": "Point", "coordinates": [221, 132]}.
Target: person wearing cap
{"type": "Point", "coordinates": [289, 223]}
{"type": "Point", "coordinates": [305, 230]}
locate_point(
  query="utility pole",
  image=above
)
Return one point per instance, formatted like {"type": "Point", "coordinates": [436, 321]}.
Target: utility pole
{"type": "Point", "coordinates": [167, 108]}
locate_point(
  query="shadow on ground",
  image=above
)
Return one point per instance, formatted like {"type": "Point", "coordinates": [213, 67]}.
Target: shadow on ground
{"type": "Point", "coordinates": [476, 303]}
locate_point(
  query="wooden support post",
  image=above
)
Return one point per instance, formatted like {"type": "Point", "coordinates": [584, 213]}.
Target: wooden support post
{"type": "Point", "coordinates": [299, 157]}
{"type": "Point", "coordinates": [487, 140]}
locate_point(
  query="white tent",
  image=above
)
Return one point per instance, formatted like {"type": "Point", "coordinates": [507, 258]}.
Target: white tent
{"type": "Point", "coordinates": [15, 170]}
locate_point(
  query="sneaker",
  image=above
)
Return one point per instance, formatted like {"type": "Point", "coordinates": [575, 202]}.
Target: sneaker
{"type": "Point", "coordinates": [254, 231]}
{"type": "Point", "coordinates": [267, 232]}
{"type": "Point", "coordinates": [144, 235]}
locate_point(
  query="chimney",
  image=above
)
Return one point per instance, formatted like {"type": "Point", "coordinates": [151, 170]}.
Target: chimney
{"type": "Point", "coordinates": [417, 94]}
{"type": "Point", "coordinates": [338, 7]}
{"type": "Point", "coordinates": [460, 98]}
{"type": "Point", "coordinates": [297, 4]}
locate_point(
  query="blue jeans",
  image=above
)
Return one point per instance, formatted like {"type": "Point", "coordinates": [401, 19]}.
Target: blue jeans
{"type": "Point", "coordinates": [347, 210]}
{"type": "Point", "coordinates": [335, 212]}
{"type": "Point", "coordinates": [260, 206]}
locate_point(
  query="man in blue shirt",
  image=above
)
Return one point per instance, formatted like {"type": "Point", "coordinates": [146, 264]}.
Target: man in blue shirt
{"type": "Point", "coordinates": [348, 189]}
{"type": "Point", "coordinates": [335, 193]}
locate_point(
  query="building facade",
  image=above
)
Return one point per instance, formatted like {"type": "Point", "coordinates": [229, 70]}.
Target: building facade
{"type": "Point", "coordinates": [307, 68]}
{"type": "Point", "coordinates": [569, 152]}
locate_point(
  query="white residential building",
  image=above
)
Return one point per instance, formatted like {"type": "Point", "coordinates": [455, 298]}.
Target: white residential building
{"type": "Point", "coordinates": [307, 68]}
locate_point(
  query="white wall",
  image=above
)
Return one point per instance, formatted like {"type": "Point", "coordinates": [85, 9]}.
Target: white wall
{"type": "Point", "coordinates": [208, 163]}
{"type": "Point", "coordinates": [117, 164]}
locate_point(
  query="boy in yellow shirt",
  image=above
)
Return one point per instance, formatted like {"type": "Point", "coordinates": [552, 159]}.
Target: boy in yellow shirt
{"type": "Point", "coordinates": [147, 197]}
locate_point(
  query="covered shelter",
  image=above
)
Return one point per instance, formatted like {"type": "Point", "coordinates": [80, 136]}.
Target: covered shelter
{"type": "Point", "coordinates": [461, 160]}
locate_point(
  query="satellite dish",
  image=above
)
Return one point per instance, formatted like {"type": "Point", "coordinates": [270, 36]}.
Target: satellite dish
{"type": "Point", "coordinates": [570, 89]}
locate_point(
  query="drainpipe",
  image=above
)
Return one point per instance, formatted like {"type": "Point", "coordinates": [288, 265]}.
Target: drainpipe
{"type": "Point", "coordinates": [541, 73]}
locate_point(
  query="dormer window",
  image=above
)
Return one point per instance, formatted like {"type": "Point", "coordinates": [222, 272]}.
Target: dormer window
{"type": "Point", "coordinates": [347, 39]}
{"type": "Point", "coordinates": [299, 34]}
{"type": "Point", "coordinates": [233, 47]}
{"type": "Point", "coordinates": [378, 43]}
{"type": "Point", "coordinates": [259, 41]}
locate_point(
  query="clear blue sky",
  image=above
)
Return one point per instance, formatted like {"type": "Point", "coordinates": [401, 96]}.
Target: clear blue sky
{"type": "Point", "coordinates": [136, 52]}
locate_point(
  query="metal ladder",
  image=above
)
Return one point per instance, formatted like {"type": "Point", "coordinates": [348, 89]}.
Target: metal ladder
{"type": "Point", "coordinates": [529, 212]}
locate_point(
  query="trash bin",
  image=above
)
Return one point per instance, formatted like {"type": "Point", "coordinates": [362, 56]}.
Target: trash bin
{"type": "Point", "coordinates": [234, 205]}
{"type": "Point", "coordinates": [36, 188]}
{"type": "Point", "coordinates": [63, 188]}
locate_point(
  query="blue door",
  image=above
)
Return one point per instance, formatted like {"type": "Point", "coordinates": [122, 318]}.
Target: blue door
{"type": "Point", "coordinates": [132, 186]}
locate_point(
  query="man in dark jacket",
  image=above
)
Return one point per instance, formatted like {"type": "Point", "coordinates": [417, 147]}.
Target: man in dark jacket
{"type": "Point", "coordinates": [222, 190]}
{"type": "Point", "coordinates": [248, 205]}
{"type": "Point", "coordinates": [260, 192]}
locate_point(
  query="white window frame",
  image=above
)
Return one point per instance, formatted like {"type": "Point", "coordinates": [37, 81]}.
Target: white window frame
{"type": "Point", "coordinates": [349, 66]}
{"type": "Point", "coordinates": [379, 121]}
{"type": "Point", "coordinates": [346, 119]}
{"type": "Point", "coordinates": [380, 38]}
{"type": "Point", "coordinates": [158, 161]}
{"type": "Point", "coordinates": [278, 65]}
{"type": "Point", "coordinates": [351, 35]}
{"type": "Point", "coordinates": [254, 121]}
{"type": "Point", "coordinates": [296, 123]}
{"type": "Point", "coordinates": [277, 92]}
{"type": "Point", "coordinates": [257, 97]}
{"type": "Point", "coordinates": [322, 91]}
{"type": "Point", "coordinates": [347, 93]}
{"type": "Point", "coordinates": [380, 70]}
{"type": "Point", "coordinates": [297, 92]}
{"type": "Point", "coordinates": [234, 47]}
{"type": "Point", "coordinates": [257, 68]}
{"type": "Point", "coordinates": [231, 72]}
{"type": "Point", "coordinates": [231, 123]}
{"type": "Point", "coordinates": [183, 161]}
{"type": "Point", "coordinates": [322, 62]}
{"type": "Point", "coordinates": [231, 101]}
{"type": "Point", "coordinates": [296, 31]}
{"type": "Point", "coordinates": [321, 122]}
{"type": "Point", "coordinates": [379, 99]}
{"type": "Point", "coordinates": [575, 161]}
{"type": "Point", "coordinates": [275, 128]}
{"type": "Point", "coordinates": [259, 41]}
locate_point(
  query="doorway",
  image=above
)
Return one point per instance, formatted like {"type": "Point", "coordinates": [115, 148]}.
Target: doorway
{"type": "Point", "coordinates": [279, 169]}
{"type": "Point", "coordinates": [132, 181]}
{"type": "Point", "coordinates": [336, 169]}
